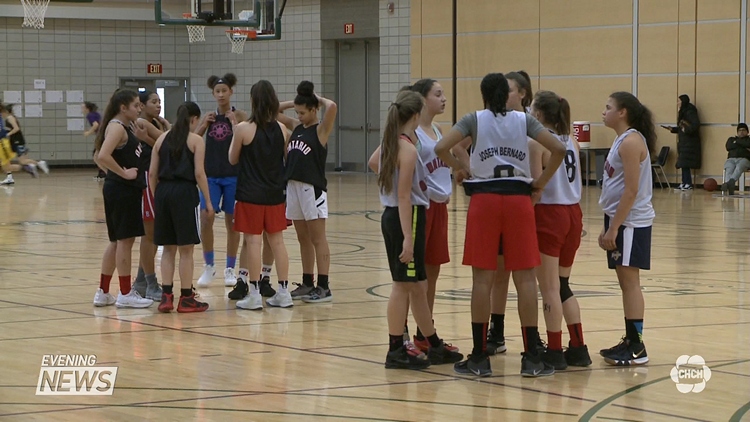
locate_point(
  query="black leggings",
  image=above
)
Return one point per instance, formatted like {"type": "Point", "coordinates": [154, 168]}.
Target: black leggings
{"type": "Point", "coordinates": [687, 177]}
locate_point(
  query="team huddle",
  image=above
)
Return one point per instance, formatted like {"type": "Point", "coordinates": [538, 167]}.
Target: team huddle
{"type": "Point", "coordinates": [165, 183]}
{"type": "Point", "coordinates": [266, 171]}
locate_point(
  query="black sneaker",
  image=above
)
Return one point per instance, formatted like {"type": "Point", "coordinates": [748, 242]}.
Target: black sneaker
{"type": "Point", "coordinates": [614, 349]}
{"type": "Point", "coordinates": [479, 366]}
{"type": "Point", "coordinates": [555, 358]}
{"type": "Point", "coordinates": [534, 366]}
{"type": "Point", "coordinates": [442, 354]}
{"type": "Point", "coordinates": [495, 343]}
{"type": "Point", "coordinates": [577, 356]}
{"type": "Point", "coordinates": [265, 287]}
{"type": "Point", "coordinates": [239, 291]}
{"type": "Point", "coordinates": [403, 358]}
{"type": "Point", "coordinates": [631, 354]}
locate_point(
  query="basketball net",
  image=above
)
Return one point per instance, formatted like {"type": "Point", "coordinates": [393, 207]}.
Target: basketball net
{"type": "Point", "coordinates": [237, 38]}
{"type": "Point", "coordinates": [33, 13]}
{"type": "Point", "coordinates": [196, 33]}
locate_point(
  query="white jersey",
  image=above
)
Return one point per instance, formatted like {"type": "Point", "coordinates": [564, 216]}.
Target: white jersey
{"type": "Point", "coordinates": [418, 186]}
{"type": "Point", "coordinates": [500, 150]}
{"type": "Point", "coordinates": [642, 213]}
{"type": "Point", "coordinates": [439, 185]}
{"type": "Point", "coordinates": [564, 188]}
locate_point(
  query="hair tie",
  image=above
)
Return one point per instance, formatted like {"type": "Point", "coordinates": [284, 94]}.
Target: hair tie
{"type": "Point", "coordinates": [560, 99]}
{"type": "Point", "coordinates": [397, 105]}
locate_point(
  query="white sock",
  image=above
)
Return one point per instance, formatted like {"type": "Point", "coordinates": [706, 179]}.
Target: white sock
{"type": "Point", "coordinates": [265, 271]}
{"type": "Point", "coordinates": [244, 274]}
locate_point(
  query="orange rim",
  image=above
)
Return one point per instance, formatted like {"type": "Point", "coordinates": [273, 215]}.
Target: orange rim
{"type": "Point", "coordinates": [249, 34]}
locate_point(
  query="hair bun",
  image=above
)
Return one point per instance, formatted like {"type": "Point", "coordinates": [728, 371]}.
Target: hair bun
{"type": "Point", "coordinates": [305, 89]}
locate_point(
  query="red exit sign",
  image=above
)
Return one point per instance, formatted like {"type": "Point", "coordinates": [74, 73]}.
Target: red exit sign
{"type": "Point", "coordinates": [153, 68]}
{"type": "Point", "coordinates": [348, 28]}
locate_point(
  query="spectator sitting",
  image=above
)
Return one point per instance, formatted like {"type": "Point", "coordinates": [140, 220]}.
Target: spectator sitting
{"type": "Point", "coordinates": [738, 158]}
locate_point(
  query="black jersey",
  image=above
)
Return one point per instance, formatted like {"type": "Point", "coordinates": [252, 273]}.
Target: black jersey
{"type": "Point", "coordinates": [177, 169]}
{"type": "Point", "coordinates": [17, 138]}
{"type": "Point", "coordinates": [146, 150]}
{"type": "Point", "coordinates": [218, 138]}
{"type": "Point", "coordinates": [128, 156]}
{"type": "Point", "coordinates": [306, 157]}
{"type": "Point", "coordinates": [261, 168]}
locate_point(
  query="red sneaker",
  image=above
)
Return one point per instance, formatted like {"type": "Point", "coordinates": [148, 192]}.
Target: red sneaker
{"type": "Point", "coordinates": [189, 304]}
{"type": "Point", "coordinates": [424, 345]}
{"type": "Point", "coordinates": [166, 302]}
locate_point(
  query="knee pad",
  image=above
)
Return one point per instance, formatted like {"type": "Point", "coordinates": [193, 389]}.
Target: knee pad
{"type": "Point", "coordinates": [565, 292]}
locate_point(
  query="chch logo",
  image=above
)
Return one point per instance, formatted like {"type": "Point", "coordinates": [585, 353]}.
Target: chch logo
{"type": "Point", "coordinates": [690, 373]}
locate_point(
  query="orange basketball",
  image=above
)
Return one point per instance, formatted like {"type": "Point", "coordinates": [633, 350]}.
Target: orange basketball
{"type": "Point", "coordinates": [710, 184]}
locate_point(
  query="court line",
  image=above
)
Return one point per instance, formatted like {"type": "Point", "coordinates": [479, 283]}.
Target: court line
{"type": "Point", "coordinates": [731, 373]}
{"type": "Point", "coordinates": [216, 409]}
{"type": "Point", "coordinates": [737, 416]}
{"type": "Point", "coordinates": [600, 405]}
{"type": "Point", "coordinates": [438, 403]}
{"type": "Point", "coordinates": [656, 412]}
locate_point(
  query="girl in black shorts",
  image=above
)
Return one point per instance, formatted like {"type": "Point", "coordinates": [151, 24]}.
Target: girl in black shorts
{"type": "Point", "coordinates": [402, 185]}
{"type": "Point", "coordinates": [176, 168]}
{"type": "Point", "coordinates": [119, 151]}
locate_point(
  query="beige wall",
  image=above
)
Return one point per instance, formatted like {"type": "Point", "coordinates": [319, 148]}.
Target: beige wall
{"type": "Point", "coordinates": [583, 50]}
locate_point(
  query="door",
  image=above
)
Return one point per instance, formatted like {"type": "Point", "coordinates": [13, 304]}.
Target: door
{"type": "Point", "coordinates": [359, 103]}
{"type": "Point", "coordinates": [172, 92]}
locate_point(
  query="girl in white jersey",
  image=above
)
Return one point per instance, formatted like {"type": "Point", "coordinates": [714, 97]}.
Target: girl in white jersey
{"type": "Point", "coordinates": [401, 178]}
{"type": "Point", "coordinates": [439, 189]}
{"type": "Point", "coordinates": [628, 215]}
{"type": "Point", "coordinates": [559, 226]}
{"type": "Point", "coordinates": [501, 214]}
{"type": "Point", "coordinates": [519, 99]}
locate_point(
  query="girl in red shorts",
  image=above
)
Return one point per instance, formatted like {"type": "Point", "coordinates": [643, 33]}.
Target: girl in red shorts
{"type": "Point", "coordinates": [259, 146]}
{"type": "Point", "coordinates": [559, 225]}
{"type": "Point", "coordinates": [501, 214]}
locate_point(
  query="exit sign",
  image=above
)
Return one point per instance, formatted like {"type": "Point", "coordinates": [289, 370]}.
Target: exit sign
{"type": "Point", "coordinates": [153, 68]}
{"type": "Point", "coordinates": [348, 28]}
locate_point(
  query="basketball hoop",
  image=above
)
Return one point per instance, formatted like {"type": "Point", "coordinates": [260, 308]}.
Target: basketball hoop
{"type": "Point", "coordinates": [196, 33]}
{"type": "Point", "coordinates": [33, 13]}
{"type": "Point", "coordinates": [238, 37]}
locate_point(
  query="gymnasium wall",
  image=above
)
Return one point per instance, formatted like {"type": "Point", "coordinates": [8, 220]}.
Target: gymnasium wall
{"type": "Point", "coordinates": [583, 50]}
{"type": "Point", "coordinates": [93, 54]}
{"type": "Point", "coordinates": [81, 54]}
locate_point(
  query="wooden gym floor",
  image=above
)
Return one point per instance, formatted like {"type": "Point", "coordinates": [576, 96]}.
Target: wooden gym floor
{"type": "Point", "coordinates": [325, 361]}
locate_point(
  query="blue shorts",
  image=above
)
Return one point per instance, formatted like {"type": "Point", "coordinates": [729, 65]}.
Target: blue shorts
{"type": "Point", "coordinates": [633, 247]}
{"type": "Point", "coordinates": [221, 189]}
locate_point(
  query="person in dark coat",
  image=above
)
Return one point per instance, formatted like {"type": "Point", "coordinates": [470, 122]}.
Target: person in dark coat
{"type": "Point", "coordinates": [688, 140]}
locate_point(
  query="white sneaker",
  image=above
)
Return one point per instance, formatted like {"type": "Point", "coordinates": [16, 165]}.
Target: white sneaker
{"type": "Point", "coordinates": [208, 274]}
{"type": "Point", "coordinates": [230, 278]}
{"type": "Point", "coordinates": [253, 301]}
{"type": "Point", "coordinates": [8, 180]}
{"type": "Point", "coordinates": [132, 300]}
{"type": "Point", "coordinates": [43, 166]}
{"type": "Point", "coordinates": [282, 299]}
{"type": "Point", "coordinates": [103, 299]}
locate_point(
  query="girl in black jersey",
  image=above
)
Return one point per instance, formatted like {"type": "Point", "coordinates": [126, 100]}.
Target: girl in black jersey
{"type": "Point", "coordinates": [258, 147]}
{"type": "Point", "coordinates": [150, 127]}
{"type": "Point", "coordinates": [306, 199]}
{"type": "Point", "coordinates": [222, 177]}
{"type": "Point", "coordinates": [119, 151]}
{"type": "Point", "coordinates": [18, 145]}
{"type": "Point", "coordinates": [176, 168]}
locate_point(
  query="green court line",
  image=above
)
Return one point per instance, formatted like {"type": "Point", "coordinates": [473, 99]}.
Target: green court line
{"type": "Point", "coordinates": [599, 406]}
{"type": "Point", "coordinates": [737, 416]}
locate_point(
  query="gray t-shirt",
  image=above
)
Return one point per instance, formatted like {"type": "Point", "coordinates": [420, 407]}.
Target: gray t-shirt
{"type": "Point", "coordinates": [467, 126]}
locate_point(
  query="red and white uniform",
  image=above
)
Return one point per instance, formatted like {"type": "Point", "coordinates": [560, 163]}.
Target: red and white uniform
{"type": "Point", "coordinates": [439, 189]}
{"type": "Point", "coordinates": [559, 220]}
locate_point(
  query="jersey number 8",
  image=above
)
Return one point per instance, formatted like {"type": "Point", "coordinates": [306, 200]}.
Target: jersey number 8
{"type": "Point", "coordinates": [570, 166]}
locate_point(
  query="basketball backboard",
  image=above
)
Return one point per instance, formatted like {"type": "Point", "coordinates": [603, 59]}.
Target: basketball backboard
{"type": "Point", "coordinates": [260, 15]}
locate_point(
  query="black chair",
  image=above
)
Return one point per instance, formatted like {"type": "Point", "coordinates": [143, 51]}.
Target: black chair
{"type": "Point", "coordinates": [658, 165]}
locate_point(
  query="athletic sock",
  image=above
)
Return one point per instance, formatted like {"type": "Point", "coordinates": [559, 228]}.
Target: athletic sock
{"type": "Point", "coordinates": [244, 274]}
{"type": "Point", "coordinates": [167, 289]}
{"type": "Point", "coordinates": [554, 340]}
{"type": "Point", "coordinates": [634, 330]}
{"type": "Point", "coordinates": [208, 257]}
{"type": "Point", "coordinates": [420, 336]}
{"type": "Point", "coordinates": [265, 271]}
{"type": "Point", "coordinates": [231, 261]}
{"type": "Point", "coordinates": [124, 284]}
{"type": "Point", "coordinates": [576, 335]}
{"type": "Point", "coordinates": [530, 339]}
{"type": "Point", "coordinates": [307, 280]}
{"type": "Point", "coordinates": [479, 335]}
{"type": "Point", "coordinates": [104, 281]}
{"type": "Point", "coordinates": [186, 292]}
{"type": "Point", "coordinates": [497, 324]}
{"type": "Point", "coordinates": [394, 342]}
{"type": "Point", "coordinates": [435, 340]}
{"type": "Point", "coordinates": [323, 281]}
